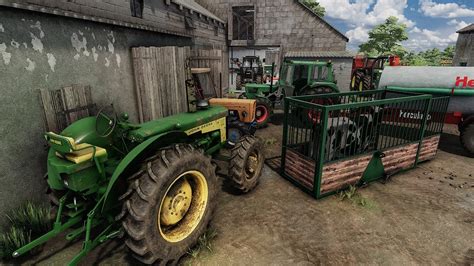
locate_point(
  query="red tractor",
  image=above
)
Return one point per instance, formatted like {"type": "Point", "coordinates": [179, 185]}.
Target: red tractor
{"type": "Point", "coordinates": [366, 71]}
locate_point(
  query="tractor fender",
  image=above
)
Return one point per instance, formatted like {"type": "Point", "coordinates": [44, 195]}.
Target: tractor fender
{"type": "Point", "coordinates": [135, 156]}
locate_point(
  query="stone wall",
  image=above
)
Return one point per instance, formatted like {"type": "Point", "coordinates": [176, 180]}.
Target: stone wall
{"type": "Point", "coordinates": [158, 16]}
{"type": "Point", "coordinates": [39, 50]}
{"type": "Point", "coordinates": [285, 23]}
{"type": "Point", "coordinates": [464, 49]}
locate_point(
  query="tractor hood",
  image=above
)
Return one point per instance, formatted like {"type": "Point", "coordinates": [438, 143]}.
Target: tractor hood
{"type": "Point", "coordinates": [179, 122]}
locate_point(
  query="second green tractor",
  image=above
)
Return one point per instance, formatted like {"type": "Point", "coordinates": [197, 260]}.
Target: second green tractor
{"type": "Point", "coordinates": [296, 77]}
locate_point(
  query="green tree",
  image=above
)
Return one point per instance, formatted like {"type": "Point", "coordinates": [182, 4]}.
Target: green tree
{"type": "Point", "coordinates": [315, 6]}
{"type": "Point", "coordinates": [448, 53]}
{"type": "Point", "coordinates": [386, 38]}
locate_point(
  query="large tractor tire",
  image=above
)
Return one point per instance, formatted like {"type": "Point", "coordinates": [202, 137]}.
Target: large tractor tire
{"type": "Point", "coordinates": [246, 164]}
{"type": "Point", "coordinates": [263, 112]}
{"type": "Point", "coordinates": [238, 82]}
{"type": "Point", "coordinates": [355, 80]}
{"type": "Point", "coordinates": [467, 137]}
{"type": "Point", "coordinates": [367, 83]}
{"type": "Point", "coordinates": [170, 204]}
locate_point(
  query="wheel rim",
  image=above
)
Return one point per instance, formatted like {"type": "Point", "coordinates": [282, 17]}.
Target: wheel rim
{"type": "Point", "coordinates": [361, 86]}
{"type": "Point", "coordinates": [261, 113]}
{"type": "Point", "coordinates": [183, 206]}
{"type": "Point", "coordinates": [251, 165]}
{"type": "Point", "coordinates": [353, 82]}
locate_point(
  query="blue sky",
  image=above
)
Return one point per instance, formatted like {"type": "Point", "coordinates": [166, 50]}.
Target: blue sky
{"type": "Point", "coordinates": [431, 23]}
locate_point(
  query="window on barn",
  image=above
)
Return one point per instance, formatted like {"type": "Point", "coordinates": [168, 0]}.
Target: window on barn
{"type": "Point", "coordinates": [136, 6]}
{"type": "Point", "coordinates": [243, 24]}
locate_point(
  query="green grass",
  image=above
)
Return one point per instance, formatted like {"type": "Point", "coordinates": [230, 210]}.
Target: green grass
{"type": "Point", "coordinates": [352, 195]}
{"type": "Point", "coordinates": [25, 223]}
{"type": "Point", "coordinates": [204, 244]}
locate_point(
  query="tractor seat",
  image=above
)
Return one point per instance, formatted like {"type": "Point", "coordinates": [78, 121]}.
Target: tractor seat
{"type": "Point", "coordinates": [67, 148]}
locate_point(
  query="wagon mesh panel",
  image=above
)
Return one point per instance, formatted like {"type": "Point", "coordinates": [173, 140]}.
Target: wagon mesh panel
{"type": "Point", "coordinates": [328, 129]}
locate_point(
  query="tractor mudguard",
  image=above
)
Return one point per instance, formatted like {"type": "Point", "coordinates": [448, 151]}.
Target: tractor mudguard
{"type": "Point", "coordinates": [134, 156]}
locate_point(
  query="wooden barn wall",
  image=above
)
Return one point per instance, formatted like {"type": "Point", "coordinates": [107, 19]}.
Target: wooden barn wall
{"type": "Point", "coordinates": [160, 75]}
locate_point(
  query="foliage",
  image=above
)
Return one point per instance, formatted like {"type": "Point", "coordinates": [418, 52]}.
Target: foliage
{"type": "Point", "coordinates": [204, 243]}
{"type": "Point", "coordinates": [431, 57]}
{"type": "Point", "coordinates": [355, 197]}
{"type": "Point", "coordinates": [315, 7]}
{"type": "Point", "coordinates": [386, 38]}
{"type": "Point", "coordinates": [25, 223]}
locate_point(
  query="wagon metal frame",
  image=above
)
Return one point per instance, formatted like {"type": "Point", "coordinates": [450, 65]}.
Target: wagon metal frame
{"type": "Point", "coordinates": [331, 141]}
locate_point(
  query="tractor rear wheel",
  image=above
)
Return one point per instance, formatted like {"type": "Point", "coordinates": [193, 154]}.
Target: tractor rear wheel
{"type": "Point", "coordinates": [170, 205]}
{"type": "Point", "coordinates": [367, 83]}
{"type": "Point", "coordinates": [467, 138]}
{"type": "Point", "coordinates": [246, 164]}
{"type": "Point", "coordinates": [262, 113]}
{"type": "Point", "coordinates": [238, 82]}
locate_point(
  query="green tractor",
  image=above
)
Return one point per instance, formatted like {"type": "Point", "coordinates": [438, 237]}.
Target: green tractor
{"type": "Point", "coordinates": [154, 183]}
{"type": "Point", "coordinates": [296, 77]}
{"type": "Point", "coordinates": [250, 70]}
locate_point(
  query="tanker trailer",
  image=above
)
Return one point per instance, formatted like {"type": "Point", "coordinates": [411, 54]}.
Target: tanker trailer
{"type": "Point", "coordinates": [458, 82]}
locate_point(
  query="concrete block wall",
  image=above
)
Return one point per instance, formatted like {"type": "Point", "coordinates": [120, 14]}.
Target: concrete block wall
{"type": "Point", "coordinates": [464, 49]}
{"type": "Point", "coordinates": [157, 16]}
{"type": "Point", "coordinates": [284, 23]}
{"type": "Point", "coordinates": [39, 50]}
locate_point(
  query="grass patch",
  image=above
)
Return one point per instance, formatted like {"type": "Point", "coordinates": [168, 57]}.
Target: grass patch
{"type": "Point", "coordinates": [25, 223]}
{"type": "Point", "coordinates": [352, 195]}
{"type": "Point", "coordinates": [269, 141]}
{"type": "Point", "coordinates": [204, 244]}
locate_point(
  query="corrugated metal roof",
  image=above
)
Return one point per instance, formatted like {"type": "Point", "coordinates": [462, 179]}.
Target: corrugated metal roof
{"type": "Point", "coordinates": [191, 4]}
{"type": "Point", "coordinates": [467, 29]}
{"type": "Point", "coordinates": [320, 54]}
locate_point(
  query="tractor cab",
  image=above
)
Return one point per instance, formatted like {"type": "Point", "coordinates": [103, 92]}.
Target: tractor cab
{"type": "Point", "coordinates": [297, 77]}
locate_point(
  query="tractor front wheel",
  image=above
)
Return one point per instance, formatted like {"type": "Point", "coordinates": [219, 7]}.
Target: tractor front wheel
{"type": "Point", "coordinates": [171, 203]}
{"type": "Point", "coordinates": [246, 163]}
{"type": "Point", "coordinates": [262, 113]}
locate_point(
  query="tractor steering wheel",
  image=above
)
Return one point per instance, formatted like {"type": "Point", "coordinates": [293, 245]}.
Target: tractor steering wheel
{"type": "Point", "coordinates": [104, 124]}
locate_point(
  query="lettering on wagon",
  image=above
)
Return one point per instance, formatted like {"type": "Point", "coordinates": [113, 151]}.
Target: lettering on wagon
{"type": "Point", "coordinates": [464, 82]}
{"type": "Point", "coordinates": [413, 115]}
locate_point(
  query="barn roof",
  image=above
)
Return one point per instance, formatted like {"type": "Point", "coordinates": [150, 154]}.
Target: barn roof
{"type": "Point", "coordinates": [192, 5]}
{"type": "Point", "coordinates": [467, 29]}
{"type": "Point", "coordinates": [320, 54]}
{"type": "Point", "coordinates": [323, 20]}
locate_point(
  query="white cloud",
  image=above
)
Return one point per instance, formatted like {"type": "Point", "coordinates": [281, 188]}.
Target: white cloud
{"type": "Point", "coordinates": [444, 10]}
{"type": "Point", "coordinates": [458, 24]}
{"type": "Point", "coordinates": [363, 15]}
{"type": "Point", "coordinates": [423, 39]}
{"type": "Point", "coordinates": [358, 34]}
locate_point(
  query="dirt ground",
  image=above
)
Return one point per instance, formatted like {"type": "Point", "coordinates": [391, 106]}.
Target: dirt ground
{"type": "Point", "coordinates": [424, 216]}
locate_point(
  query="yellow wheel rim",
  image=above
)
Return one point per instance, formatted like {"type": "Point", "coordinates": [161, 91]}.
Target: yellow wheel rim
{"type": "Point", "coordinates": [183, 206]}
{"type": "Point", "coordinates": [353, 82]}
{"type": "Point", "coordinates": [361, 86]}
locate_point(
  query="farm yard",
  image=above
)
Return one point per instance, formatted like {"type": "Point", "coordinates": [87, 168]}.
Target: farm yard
{"type": "Point", "coordinates": [237, 132]}
{"type": "Point", "coordinates": [423, 216]}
